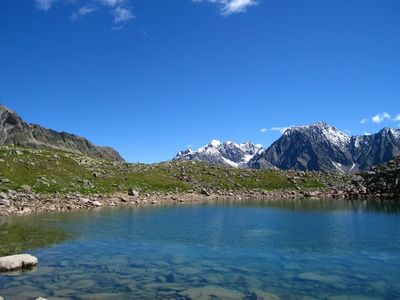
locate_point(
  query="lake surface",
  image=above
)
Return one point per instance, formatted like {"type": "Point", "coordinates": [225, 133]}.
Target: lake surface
{"type": "Point", "coordinates": [303, 249]}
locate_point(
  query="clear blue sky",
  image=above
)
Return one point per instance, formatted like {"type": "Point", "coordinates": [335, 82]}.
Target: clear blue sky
{"type": "Point", "coordinates": [149, 77]}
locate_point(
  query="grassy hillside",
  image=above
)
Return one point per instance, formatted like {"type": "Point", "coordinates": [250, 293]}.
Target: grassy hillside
{"type": "Point", "coordinates": [51, 171]}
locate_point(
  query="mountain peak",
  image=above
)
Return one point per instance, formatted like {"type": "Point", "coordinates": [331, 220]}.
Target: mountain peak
{"type": "Point", "coordinates": [322, 147]}
{"type": "Point", "coordinates": [215, 143]}
{"type": "Point", "coordinates": [15, 131]}
{"type": "Point", "coordinates": [225, 153]}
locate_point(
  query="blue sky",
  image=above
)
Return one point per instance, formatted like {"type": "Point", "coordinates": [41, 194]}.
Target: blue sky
{"type": "Point", "coordinates": [150, 77]}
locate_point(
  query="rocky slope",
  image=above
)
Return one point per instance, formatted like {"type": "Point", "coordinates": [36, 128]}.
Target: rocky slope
{"type": "Point", "coordinates": [17, 132]}
{"type": "Point", "coordinates": [225, 154]}
{"type": "Point", "coordinates": [321, 147]}
{"type": "Point", "coordinates": [384, 181]}
{"type": "Point", "coordinates": [33, 180]}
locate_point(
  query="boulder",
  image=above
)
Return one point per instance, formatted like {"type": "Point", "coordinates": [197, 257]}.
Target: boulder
{"type": "Point", "coordinates": [84, 200]}
{"type": "Point", "coordinates": [205, 192]}
{"type": "Point", "coordinates": [132, 192]}
{"type": "Point", "coordinates": [17, 262]}
{"type": "Point", "coordinates": [5, 202]}
{"type": "Point", "coordinates": [97, 203]}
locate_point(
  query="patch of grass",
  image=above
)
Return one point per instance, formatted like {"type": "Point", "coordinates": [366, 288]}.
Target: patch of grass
{"type": "Point", "coordinates": [53, 171]}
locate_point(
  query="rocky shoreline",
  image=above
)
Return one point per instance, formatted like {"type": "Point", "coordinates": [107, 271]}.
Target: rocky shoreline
{"type": "Point", "coordinates": [22, 203]}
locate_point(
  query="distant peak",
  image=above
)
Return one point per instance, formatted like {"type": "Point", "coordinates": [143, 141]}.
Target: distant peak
{"type": "Point", "coordinates": [321, 123]}
{"type": "Point", "coordinates": [215, 143]}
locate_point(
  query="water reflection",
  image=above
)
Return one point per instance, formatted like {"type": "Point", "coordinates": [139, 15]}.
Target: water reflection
{"type": "Point", "coordinates": [17, 235]}
{"type": "Point", "coordinates": [385, 206]}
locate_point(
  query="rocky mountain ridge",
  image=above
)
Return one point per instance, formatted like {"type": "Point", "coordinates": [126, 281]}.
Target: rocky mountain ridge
{"type": "Point", "coordinates": [16, 132]}
{"type": "Point", "coordinates": [222, 153]}
{"type": "Point", "coordinates": [321, 147]}
{"type": "Point", "coordinates": [315, 147]}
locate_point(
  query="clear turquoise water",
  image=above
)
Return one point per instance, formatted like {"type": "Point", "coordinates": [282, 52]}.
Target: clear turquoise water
{"type": "Point", "coordinates": [247, 250]}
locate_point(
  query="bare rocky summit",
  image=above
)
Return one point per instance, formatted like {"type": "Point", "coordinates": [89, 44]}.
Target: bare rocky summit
{"type": "Point", "coordinates": [16, 132]}
{"type": "Point", "coordinates": [321, 147]}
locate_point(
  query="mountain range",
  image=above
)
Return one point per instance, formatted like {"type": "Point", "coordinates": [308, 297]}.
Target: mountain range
{"type": "Point", "coordinates": [226, 153]}
{"type": "Point", "coordinates": [316, 147]}
{"type": "Point", "coordinates": [15, 131]}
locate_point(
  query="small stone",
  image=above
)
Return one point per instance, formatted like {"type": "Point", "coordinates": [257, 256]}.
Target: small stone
{"type": "Point", "coordinates": [40, 298]}
{"type": "Point", "coordinates": [5, 180]}
{"type": "Point", "coordinates": [97, 203]}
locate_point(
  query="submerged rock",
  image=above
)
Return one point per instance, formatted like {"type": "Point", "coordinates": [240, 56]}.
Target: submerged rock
{"type": "Point", "coordinates": [263, 295]}
{"type": "Point", "coordinates": [17, 262]}
{"type": "Point", "coordinates": [324, 278]}
{"type": "Point", "coordinates": [211, 292]}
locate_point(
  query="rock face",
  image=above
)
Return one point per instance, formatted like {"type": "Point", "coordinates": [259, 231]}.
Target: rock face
{"type": "Point", "coordinates": [320, 147]}
{"type": "Point", "coordinates": [375, 149]}
{"type": "Point", "coordinates": [17, 132]}
{"type": "Point", "coordinates": [17, 262]}
{"type": "Point", "coordinates": [218, 153]}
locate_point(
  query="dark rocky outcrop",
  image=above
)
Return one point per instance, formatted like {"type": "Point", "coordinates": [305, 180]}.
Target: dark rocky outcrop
{"type": "Point", "coordinates": [318, 147]}
{"type": "Point", "coordinates": [384, 181]}
{"type": "Point", "coordinates": [15, 131]}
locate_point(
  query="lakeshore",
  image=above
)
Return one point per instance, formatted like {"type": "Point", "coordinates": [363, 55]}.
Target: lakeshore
{"type": "Point", "coordinates": [27, 203]}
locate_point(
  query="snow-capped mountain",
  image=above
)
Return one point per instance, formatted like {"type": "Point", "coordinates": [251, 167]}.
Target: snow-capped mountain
{"type": "Point", "coordinates": [322, 147]}
{"type": "Point", "coordinates": [318, 147]}
{"type": "Point", "coordinates": [222, 153]}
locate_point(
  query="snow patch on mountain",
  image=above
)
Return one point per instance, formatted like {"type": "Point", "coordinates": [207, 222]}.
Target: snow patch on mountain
{"type": "Point", "coordinates": [222, 153]}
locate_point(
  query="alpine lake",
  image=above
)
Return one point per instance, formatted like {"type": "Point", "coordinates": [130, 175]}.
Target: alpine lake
{"type": "Point", "coordinates": [297, 249]}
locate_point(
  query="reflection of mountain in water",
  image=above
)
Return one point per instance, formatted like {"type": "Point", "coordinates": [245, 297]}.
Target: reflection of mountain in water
{"type": "Point", "coordinates": [316, 205]}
